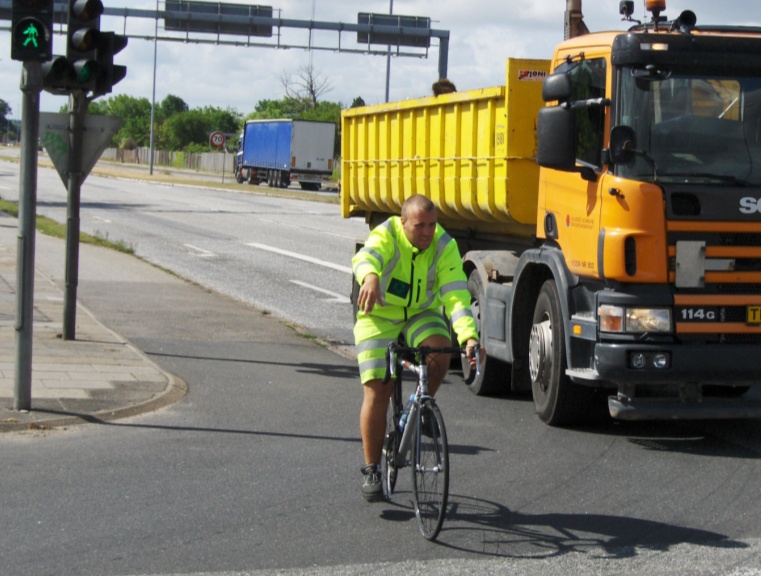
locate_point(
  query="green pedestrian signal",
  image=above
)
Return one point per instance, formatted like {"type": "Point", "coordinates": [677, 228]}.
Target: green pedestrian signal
{"type": "Point", "coordinates": [31, 30]}
{"type": "Point", "coordinates": [31, 34]}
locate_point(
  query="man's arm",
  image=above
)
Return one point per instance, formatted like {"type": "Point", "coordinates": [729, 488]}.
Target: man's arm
{"type": "Point", "coordinates": [369, 294]}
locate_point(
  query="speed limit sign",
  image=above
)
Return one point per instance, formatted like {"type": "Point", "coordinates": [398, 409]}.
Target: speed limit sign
{"type": "Point", "coordinates": [217, 139]}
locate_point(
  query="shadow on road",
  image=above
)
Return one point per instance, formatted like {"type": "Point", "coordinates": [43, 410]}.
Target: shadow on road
{"type": "Point", "coordinates": [502, 533]}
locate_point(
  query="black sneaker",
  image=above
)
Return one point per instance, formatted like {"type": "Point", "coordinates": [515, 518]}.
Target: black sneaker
{"type": "Point", "coordinates": [371, 486]}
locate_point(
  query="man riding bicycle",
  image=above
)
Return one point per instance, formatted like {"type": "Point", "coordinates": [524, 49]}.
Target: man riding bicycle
{"type": "Point", "coordinates": [408, 271]}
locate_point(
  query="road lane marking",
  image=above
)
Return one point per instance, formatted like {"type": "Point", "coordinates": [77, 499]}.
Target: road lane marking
{"type": "Point", "coordinates": [298, 256]}
{"type": "Point", "coordinates": [201, 252]}
{"type": "Point", "coordinates": [334, 297]}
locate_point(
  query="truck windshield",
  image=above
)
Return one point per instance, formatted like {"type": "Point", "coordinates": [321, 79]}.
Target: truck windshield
{"type": "Point", "coordinates": [692, 128]}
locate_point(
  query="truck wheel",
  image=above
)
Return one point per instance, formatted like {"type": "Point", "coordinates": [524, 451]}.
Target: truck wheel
{"type": "Point", "coordinates": [495, 375]}
{"type": "Point", "coordinates": [557, 400]}
{"type": "Point", "coordinates": [239, 177]}
{"type": "Point", "coordinates": [251, 179]}
{"type": "Point", "coordinates": [285, 179]}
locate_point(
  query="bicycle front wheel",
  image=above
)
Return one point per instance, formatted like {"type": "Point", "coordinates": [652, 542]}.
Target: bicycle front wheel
{"type": "Point", "coordinates": [390, 449]}
{"type": "Point", "coordinates": [430, 470]}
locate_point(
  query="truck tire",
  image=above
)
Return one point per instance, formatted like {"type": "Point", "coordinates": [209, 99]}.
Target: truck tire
{"type": "Point", "coordinates": [558, 401]}
{"type": "Point", "coordinates": [285, 179]}
{"type": "Point", "coordinates": [251, 178]}
{"type": "Point", "coordinates": [239, 176]}
{"type": "Point", "coordinates": [495, 375]}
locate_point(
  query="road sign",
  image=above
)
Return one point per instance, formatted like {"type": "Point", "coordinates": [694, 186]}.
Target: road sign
{"type": "Point", "coordinates": [54, 135]}
{"type": "Point", "coordinates": [217, 139]}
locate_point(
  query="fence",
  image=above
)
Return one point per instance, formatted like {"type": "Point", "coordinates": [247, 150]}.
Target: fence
{"type": "Point", "coordinates": [202, 162]}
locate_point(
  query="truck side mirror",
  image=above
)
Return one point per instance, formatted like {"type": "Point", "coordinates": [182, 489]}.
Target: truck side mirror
{"type": "Point", "coordinates": [623, 142]}
{"type": "Point", "coordinates": [556, 87]}
{"type": "Point", "coordinates": [556, 138]}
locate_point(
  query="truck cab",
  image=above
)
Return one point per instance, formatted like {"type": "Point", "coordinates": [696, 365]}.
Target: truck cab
{"type": "Point", "coordinates": [650, 220]}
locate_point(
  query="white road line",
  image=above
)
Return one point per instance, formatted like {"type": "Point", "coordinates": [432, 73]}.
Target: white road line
{"type": "Point", "coordinates": [201, 252]}
{"type": "Point", "coordinates": [335, 297]}
{"type": "Point", "coordinates": [298, 256]}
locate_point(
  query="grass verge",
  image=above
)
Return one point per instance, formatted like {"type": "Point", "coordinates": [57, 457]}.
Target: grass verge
{"type": "Point", "coordinates": [57, 230]}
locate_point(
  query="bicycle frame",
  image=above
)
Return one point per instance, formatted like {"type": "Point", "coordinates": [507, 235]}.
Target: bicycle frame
{"type": "Point", "coordinates": [420, 368]}
{"type": "Point", "coordinates": [421, 392]}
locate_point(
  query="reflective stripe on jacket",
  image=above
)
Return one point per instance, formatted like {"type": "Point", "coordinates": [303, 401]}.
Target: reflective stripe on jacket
{"type": "Point", "coordinates": [412, 281]}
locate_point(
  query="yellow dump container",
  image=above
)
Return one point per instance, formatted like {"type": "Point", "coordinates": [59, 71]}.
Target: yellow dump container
{"type": "Point", "coordinates": [471, 152]}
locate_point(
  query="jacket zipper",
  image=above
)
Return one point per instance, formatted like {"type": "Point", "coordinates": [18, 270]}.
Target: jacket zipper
{"type": "Point", "coordinates": [412, 288]}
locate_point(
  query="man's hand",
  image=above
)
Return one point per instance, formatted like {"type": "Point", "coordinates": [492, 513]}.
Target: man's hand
{"type": "Point", "coordinates": [470, 352]}
{"type": "Point", "coordinates": [369, 294]}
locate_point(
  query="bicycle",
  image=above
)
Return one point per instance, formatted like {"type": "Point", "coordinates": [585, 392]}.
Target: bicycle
{"type": "Point", "coordinates": [418, 427]}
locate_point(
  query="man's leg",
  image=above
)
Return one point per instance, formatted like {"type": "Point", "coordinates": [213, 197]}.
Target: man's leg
{"type": "Point", "coordinates": [438, 364]}
{"type": "Point", "coordinates": [372, 419]}
{"type": "Point", "coordinates": [372, 425]}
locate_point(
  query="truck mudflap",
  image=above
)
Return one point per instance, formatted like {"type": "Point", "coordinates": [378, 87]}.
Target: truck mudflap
{"type": "Point", "coordinates": [623, 408]}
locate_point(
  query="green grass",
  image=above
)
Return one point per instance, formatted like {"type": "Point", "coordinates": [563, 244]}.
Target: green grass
{"type": "Point", "coordinates": [58, 230]}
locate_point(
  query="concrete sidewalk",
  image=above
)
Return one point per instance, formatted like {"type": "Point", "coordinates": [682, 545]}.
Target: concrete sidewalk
{"type": "Point", "coordinates": [96, 377]}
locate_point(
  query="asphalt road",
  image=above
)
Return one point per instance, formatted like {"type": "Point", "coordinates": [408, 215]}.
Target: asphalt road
{"type": "Point", "coordinates": [257, 470]}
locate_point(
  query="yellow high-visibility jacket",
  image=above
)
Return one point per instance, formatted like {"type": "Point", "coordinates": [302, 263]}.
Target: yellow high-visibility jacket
{"type": "Point", "coordinates": [412, 281]}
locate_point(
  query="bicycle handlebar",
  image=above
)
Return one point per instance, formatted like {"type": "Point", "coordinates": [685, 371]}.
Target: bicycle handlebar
{"type": "Point", "coordinates": [421, 352]}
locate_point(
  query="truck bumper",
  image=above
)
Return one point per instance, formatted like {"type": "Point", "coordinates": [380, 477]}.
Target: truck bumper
{"type": "Point", "coordinates": [622, 408]}
{"type": "Point", "coordinates": [732, 365]}
{"type": "Point", "coordinates": [675, 391]}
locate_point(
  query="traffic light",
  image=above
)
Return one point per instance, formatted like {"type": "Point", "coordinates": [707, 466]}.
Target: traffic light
{"type": "Point", "coordinates": [82, 40]}
{"type": "Point", "coordinates": [109, 73]}
{"type": "Point", "coordinates": [31, 29]}
{"type": "Point", "coordinates": [58, 75]}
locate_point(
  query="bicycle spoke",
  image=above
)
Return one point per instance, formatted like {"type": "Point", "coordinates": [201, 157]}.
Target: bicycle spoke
{"type": "Point", "coordinates": [430, 470]}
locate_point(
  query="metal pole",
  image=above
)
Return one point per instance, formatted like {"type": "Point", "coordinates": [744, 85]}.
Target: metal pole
{"type": "Point", "coordinates": [388, 56]}
{"type": "Point", "coordinates": [443, 55]}
{"type": "Point", "coordinates": [77, 109]}
{"type": "Point", "coordinates": [31, 86]}
{"type": "Point", "coordinates": [153, 101]}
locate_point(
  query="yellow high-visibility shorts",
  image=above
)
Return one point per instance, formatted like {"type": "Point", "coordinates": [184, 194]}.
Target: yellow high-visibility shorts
{"type": "Point", "coordinates": [372, 336]}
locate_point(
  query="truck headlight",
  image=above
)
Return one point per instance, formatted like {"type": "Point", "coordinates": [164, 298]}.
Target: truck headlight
{"type": "Point", "coordinates": [633, 320]}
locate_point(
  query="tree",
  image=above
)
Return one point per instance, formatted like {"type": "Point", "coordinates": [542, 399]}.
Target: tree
{"type": "Point", "coordinates": [5, 125]}
{"type": "Point", "coordinates": [135, 114]}
{"type": "Point", "coordinates": [308, 85]}
{"type": "Point", "coordinates": [190, 130]}
{"type": "Point", "coordinates": [170, 106]}
{"type": "Point", "coordinates": [285, 108]}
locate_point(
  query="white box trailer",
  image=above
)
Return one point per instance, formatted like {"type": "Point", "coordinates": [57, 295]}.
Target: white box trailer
{"type": "Point", "coordinates": [280, 152]}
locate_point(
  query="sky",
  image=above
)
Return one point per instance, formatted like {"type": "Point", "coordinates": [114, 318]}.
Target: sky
{"type": "Point", "coordinates": [483, 33]}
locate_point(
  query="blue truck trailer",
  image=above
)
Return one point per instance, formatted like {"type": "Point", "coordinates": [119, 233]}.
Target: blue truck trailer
{"type": "Point", "coordinates": [281, 152]}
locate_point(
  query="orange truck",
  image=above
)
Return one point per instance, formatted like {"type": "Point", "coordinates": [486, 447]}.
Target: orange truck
{"type": "Point", "coordinates": [607, 204]}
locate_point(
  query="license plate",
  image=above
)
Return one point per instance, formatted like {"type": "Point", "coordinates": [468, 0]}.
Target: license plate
{"type": "Point", "coordinates": [753, 315]}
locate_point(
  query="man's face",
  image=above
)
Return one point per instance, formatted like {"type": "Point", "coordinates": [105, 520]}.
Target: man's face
{"type": "Point", "coordinates": [419, 227]}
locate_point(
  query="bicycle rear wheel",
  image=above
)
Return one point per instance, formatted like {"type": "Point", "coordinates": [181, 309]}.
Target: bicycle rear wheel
{"type": "Point", "coordinates": [390, 448]}
{"type": "Point", "coordinates": [430, 470]}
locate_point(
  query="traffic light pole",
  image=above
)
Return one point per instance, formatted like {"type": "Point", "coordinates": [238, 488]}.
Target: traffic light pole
{"type": "Point", "coordinates": [78, 104]}
{"type": "Point", "coordinates": [31, 86]}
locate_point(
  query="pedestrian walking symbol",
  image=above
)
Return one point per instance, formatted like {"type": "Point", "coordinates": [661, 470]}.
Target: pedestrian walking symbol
{"type": "Point", "coordinates": [31, 40]}
{"type": "Point", "coordinates": [30, 35]}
